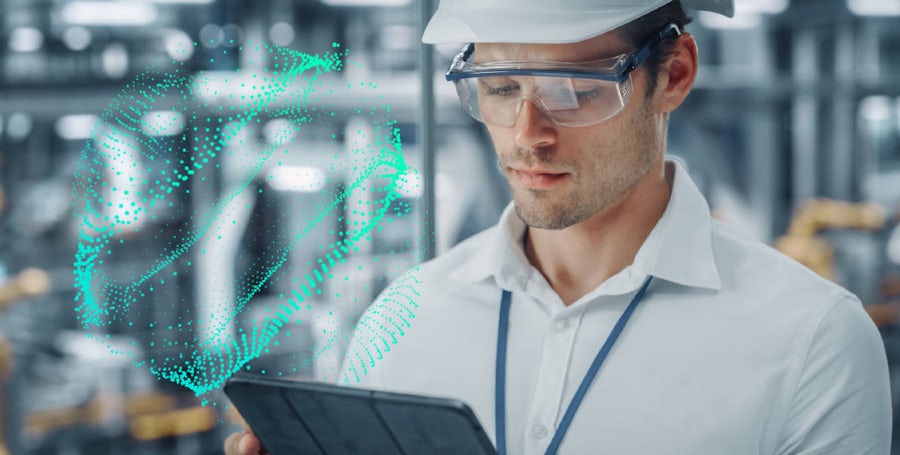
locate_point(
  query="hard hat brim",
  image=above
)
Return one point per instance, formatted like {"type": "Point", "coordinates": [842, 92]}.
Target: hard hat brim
{"type": "Point", "coordinates": [553, 26]}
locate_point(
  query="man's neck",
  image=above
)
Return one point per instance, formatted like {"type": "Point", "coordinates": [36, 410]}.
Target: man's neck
{"type": "Point", "coordinates": [577, 259]}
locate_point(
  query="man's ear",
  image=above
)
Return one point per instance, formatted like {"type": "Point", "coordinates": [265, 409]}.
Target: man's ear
{"type": "Point", "coordinates": [676, 75]}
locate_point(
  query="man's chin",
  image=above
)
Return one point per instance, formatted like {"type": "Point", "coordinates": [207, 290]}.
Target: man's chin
{"type": "Point", "coordinates": [551, 220]}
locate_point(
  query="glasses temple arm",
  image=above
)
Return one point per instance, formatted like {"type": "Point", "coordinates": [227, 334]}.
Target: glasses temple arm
{"type": "Point", "coordinates": [463, 55]}
{"type": "Point", "coordinates": [638, 57]}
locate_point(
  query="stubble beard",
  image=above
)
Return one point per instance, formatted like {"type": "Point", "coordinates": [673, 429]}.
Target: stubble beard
{"type": "Point", "coordinates": [548, 209]}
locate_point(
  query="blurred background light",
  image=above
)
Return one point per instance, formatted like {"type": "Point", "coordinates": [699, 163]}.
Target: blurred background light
{"type": "Point", "coordinates": [444, 186]}
{"type": "Point", "coordinates": [743, 21]}
{"type": "Point", "coordinates": [211, 35]}
{"type": "Point", "coordinates": [279, 131]}
{"type": "Point", "coordinates": [162, 123]}
{"type": "Point", "coordinates": [77, 38]}
{"type": "Point", "coordinates": [237, 134]}
{"type": "Point", "coordinates": [893, 246]}
{"type": "Point", "coordinates": [109, 13]}
{"type": "Point", "coordinates": [232, 35]}
{"type": "Point", "coordinates": [303, 179]}
{"type": "Point", "coordinates": [367, 2]}
{"type": "Point", "coordinates": [876, 109]}
{"type": "Point", "coordinates": [874, 7]}
{"type": "Point", "coordinates": [747, 14]}
{"type": "Point", "coordinates": [75, 126]}
{"type": "Point", "coordinates": [282, 34]}
{"type": "Point", "coordinates": [897, 111]}
{"type": "Point", "coordinates": [179, 2]}
{"type": "Point", "coordinates": [178, 45]}
{"type": "Point", "coordinates": [410, 185]}
{"type": "Point", "coordinates": [762, 6]}
{"type": "Point", "coordinates": [19, 125]}
{"type": "Point", "coordinates": [26, 39]}
{"type": "Point", "coordinates": [399, 37]}
{"type": "Point", "coordinates": [115, 60]}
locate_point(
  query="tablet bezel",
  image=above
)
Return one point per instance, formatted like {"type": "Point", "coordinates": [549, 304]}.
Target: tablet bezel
{"type": "Point", "coordinates": [391, 410]}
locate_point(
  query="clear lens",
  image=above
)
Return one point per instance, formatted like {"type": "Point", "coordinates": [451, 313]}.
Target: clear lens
{"type": "Point", "coordinates": [496, 100]}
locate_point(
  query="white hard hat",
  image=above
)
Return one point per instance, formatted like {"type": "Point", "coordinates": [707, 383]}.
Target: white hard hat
{"type": "Point", "coordinates": [542, 21]}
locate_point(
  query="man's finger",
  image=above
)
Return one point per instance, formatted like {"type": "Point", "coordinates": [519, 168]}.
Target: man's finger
{"type": "Point", "coordinates": [244, 443]}
{"type": "Point", "coordinates": [249, 445]}
{"type": "Point", "coordinates": [231, 443]}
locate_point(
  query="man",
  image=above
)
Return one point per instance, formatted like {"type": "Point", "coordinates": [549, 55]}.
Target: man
{"type": "Point", "coordinates": [607, 312]}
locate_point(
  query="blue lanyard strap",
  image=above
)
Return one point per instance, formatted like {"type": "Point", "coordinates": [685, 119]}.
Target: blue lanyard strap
{"type": "Point", "coordinates": [500, 381]}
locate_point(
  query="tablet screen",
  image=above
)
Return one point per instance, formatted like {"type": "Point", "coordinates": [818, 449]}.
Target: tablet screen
{"type": "Point", "coordinates": [292, 417]}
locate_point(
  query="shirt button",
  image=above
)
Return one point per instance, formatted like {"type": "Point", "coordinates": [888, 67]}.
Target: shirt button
{"type": "Point", "coordinates": [561, 325]}
{"type": "Point", "coordinates": [539, 431]}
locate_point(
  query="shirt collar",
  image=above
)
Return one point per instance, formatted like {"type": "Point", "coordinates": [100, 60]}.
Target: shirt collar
{"type": "Point", "coordinates": [678, 249]}
{"type": "Point", "coordinates": [685, 251]}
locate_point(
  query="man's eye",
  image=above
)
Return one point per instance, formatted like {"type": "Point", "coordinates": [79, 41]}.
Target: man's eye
{"type": "Point", "coordinates": [505, 90]}
{"type": "Point", "coordinates": [587, 95]}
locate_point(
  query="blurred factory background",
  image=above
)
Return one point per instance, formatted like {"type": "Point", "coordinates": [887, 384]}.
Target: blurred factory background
{"type": "Point", "coordinates": [792, 132]}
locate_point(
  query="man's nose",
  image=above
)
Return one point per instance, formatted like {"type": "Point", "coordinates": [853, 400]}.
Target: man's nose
{"type": "Point", "coordinates": [533, 129]}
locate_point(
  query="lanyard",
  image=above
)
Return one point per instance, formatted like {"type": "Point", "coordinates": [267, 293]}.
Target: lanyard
{"type": "Point", "coordinates": [500, 383]}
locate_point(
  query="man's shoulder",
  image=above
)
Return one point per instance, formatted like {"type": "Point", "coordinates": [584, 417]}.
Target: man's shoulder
{"type": "Point", "coordinates": [414, 307]}
{"type": "Point", "coordinates": [752, 266]}
{"type": "Point", "coordinates": [472, 252]}
{"type": "Point", "coordinates": [451, 270]}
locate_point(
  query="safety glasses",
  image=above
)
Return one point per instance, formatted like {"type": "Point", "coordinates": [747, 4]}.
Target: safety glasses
{"type": "Point", "coordinates": [570, 94]}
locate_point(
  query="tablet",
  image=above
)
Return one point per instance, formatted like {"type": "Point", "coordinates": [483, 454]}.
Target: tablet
{"type": "Point", "coordinates": [291, 418]}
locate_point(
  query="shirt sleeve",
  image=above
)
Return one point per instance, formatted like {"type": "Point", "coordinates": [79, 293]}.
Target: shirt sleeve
{"type": "Point", "coordinates": [379, 328]}
{"type": "Point", "coordinates": [841, 403]}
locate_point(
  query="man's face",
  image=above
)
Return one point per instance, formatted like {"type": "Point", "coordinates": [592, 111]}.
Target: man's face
{"type": "Point", "coordinates": [561, 176]}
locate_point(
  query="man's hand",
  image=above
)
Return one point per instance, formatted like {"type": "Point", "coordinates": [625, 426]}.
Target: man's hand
{"type": "Point", "coordinates": [243, 443]}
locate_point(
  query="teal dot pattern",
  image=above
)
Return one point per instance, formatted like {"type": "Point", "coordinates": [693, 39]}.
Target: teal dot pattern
{"type": "Point", "coordinates": [138, 182]}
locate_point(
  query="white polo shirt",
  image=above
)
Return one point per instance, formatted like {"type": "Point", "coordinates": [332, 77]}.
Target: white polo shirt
{"type": "Point", "coordinates": [735, 349]}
